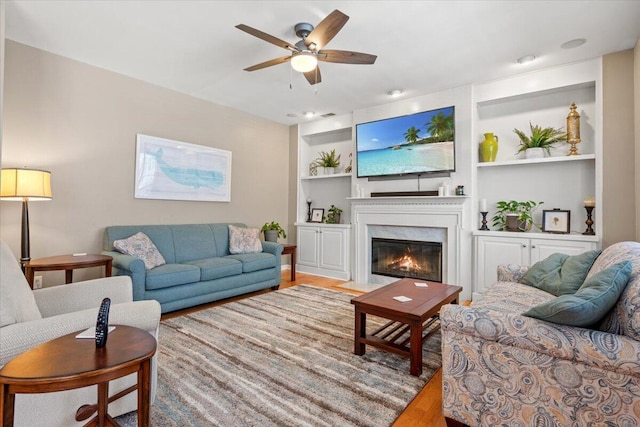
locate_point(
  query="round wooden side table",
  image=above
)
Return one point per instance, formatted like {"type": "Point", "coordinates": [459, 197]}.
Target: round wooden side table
{"type": "Point", "coordinates": [68, 362]}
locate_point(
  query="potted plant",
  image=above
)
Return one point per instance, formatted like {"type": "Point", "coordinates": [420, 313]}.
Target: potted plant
{"type": "Point", "coordinates": [328, 160]}
{"type": "Point", "coordinates": [272, 231]}
{"type": "Point", "coordinates": [333, 216]}
{"type": "Point", "coordinates": [540, 141]}
{"type": "Point", "coordinates": [514, 215]}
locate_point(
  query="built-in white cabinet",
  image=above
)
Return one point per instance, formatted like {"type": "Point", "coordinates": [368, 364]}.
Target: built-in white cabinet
{"type": "Point", "coordinates": [496, 248]}
{"type": "Point", "coordinates": [323, 249]}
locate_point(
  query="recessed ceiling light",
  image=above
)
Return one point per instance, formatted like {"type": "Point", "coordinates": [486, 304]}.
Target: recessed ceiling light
{"type": "Point", "coordinates": [394, 92]}
{"type": "Point", "coordinates": [309, 114]}
{"type": "Point", "coordinates": [525, 59]}
{"type": "Point", "coordinates": [573, 43]}
{"type": "Point", "coordinates": [292, 115]}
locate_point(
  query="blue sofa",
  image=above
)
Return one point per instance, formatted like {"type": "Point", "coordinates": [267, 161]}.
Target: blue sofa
{"type": "Point", "coordinates": [199, 267]}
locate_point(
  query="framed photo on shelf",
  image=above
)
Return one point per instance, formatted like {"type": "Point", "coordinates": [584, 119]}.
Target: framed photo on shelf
{"type": "Point", "coordinates": [556, 221]}
{"type": "Point", "coordinates": [317, 214]}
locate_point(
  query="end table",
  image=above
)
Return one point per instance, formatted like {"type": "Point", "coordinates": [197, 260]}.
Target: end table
{"type": "Point", "coordinates": [67, 263]}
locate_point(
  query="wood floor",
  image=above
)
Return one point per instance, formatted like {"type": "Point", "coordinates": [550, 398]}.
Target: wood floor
{"type": "Point", "coordinates": [424, 411]}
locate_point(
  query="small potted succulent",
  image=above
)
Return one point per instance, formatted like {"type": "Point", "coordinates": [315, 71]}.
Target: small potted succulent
{"type": "Point", "coordinates": [333, 216]}
{"type": "Point", "coordinates": [514, 215]}
{"type": "Point", "coordinates": [272, 231]}
{"type": "Point", "coordinates": [540, 141]}
{"type": "Point", "coordinates": [329, 161]}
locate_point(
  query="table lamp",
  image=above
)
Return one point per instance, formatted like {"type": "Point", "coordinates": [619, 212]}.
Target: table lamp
{"type": "Point", "coordinates": [25, 185]}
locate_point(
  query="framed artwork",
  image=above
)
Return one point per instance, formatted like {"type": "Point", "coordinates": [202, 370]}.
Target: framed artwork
{"type": "Point", "coordinates": [556, 221]}
{"type": "Point", "coordinates": [174, 170]}
{"type": "Point", "coordinates": [317, 214]}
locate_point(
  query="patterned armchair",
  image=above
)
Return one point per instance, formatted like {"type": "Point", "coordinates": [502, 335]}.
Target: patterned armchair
{"type": "Point", "coordinates": [502, 368]}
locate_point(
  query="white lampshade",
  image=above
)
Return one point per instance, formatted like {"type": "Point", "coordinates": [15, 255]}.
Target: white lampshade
{"type": "Point", "coordinates": [25, 184]}
{"type": "Point", "coordinates": [303, 61]}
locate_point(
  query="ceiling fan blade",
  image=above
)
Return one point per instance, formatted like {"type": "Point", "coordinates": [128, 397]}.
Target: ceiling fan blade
{"type": "Point", "coordinates": [268, 63]}
{"type": "Point", "coordinates": [266, 37]}
{"type": "Point", "coordinates": [313, 76]}
{"type": "Point", "coordinates": [326, 30]}
{"type": "Point", "coordinates": [346, 57]}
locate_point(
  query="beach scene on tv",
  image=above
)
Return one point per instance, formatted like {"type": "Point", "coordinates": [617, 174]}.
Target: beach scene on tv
{"type": "Point", "coordinates": [418, 143]}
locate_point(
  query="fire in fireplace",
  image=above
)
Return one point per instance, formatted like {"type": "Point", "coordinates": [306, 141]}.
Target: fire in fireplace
{"type": "Point", "coordinates": [406, 258]}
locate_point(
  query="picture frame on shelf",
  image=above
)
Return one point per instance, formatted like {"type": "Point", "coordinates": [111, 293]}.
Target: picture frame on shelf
{"type": "Point", "coordinates": [556, 221]}
{"type": "Point", "coordinates": [317, 214]}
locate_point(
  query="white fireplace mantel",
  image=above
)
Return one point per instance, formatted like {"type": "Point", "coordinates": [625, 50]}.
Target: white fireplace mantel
{"type": "Point", "coordinates": [426, 212]}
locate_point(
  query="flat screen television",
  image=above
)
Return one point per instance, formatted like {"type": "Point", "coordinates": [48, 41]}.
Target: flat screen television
{"type": "Point", "coordinates": [416, 144]}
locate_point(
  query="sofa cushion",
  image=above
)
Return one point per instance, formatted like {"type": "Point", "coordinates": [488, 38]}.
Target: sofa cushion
{"type": "Point", "coordinates": [169, 275]}
{"type": "Point", "coordinates": [624, 319]}
{"type": "Point", "coordinates": [244, 240]}
{"type": "Point", "coordinates": [560, 274]}
{"type": "Point", "coordinates": [255, 262]}
{"type": "Point", "coordinates": [216, 268]}
{"type": "Point", "coordinates": [140, 246]}
{"type": "Point", "coordinates": [590, 303]}
{"type": "Point", "coordinates": [193, 242]}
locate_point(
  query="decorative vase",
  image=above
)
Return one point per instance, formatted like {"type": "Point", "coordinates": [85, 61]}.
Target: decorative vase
{"type": "Point", "coordinates": [271, 235]}
{"type": "Point", "coordinates": [489, 147]}
{"type": "Point", "coordinates": [534, 153]}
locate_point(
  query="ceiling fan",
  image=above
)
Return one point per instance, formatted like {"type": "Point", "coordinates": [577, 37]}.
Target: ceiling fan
{"type": "Point", "coordinates": [306, 53]}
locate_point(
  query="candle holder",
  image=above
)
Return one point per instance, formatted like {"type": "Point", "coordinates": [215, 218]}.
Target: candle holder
{"type": "Point", "coordinates": [309, 210]}
{"type": "Point", "coordinates": [484, 221]}
{"type": "Point", "coordinates": [589, 231]}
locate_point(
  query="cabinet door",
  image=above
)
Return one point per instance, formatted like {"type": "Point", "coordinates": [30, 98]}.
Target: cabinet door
{"type": "Point", "coordinates": [541, 249]}
{"type": "Point", "coordinates": [494, 251]}
{"type": "Point", "coordinates": [333, 247]}
{"type": "Point", "coordinates": [308, 246]}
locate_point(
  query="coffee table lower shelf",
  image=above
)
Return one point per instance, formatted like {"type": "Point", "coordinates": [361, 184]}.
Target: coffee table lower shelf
{"type": "Point", "coordinates": [389, 337]}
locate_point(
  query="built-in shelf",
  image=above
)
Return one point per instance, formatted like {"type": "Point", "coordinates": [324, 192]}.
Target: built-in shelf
{"type": "Point", "coordinates": [542, 160]}
{"type": "Point", "coordinates": [574, 235]}
{"type": "Point", "coordinates": [335, 175]}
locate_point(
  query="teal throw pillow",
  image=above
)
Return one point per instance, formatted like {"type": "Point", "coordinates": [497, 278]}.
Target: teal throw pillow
{"type": "Point", "coordinates": [590, 303]}
{"type": "Point", "coordinates": [560, 274]}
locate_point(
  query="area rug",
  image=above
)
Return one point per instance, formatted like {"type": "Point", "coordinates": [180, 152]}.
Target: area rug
{"type": "Point", "coordinates": [283, 358]}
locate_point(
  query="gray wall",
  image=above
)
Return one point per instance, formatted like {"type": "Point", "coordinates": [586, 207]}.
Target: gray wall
{"type": "Point", "coordinates": [80, 122]}
{"type": "Point", "coordinates": [619, 165]}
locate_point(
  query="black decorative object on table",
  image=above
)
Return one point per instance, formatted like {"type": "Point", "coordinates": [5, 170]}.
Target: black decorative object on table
{"type": "Point", "coordinates": [309, 210]}
{"type": "Point", "coordinates": [589, 231]}
{"type": "Point", "coordinates": [484, 221]}
{"type": "Point", "coordinates": [102, 324]}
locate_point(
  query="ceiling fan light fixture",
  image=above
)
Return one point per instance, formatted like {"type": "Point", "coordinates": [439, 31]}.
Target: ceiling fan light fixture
{"type": "Point", "coordinates": [303, 62]}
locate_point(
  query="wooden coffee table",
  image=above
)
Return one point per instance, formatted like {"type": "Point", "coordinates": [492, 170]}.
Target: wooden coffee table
{"type": "Point", "coordinates": [413, 316]}
{"type": "Point", "coordinates": [68, 362]}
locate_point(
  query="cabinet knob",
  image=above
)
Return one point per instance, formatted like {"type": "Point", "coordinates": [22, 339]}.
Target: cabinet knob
{"type": "Point", "coordinates": [524, 246]}
{"type": "Point", "coordinates": [533, 246]}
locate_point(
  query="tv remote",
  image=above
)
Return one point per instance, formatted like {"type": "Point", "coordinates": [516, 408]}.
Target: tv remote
{"type": "Point", "coordinates": [102, 324]}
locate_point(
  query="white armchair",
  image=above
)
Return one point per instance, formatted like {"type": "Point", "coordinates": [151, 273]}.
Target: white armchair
{"type": "Point", "coordinates": [29, 318]}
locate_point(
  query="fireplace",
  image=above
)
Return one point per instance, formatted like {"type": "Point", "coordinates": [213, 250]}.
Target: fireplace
{"type": "Point", "coordinates": [406, 258]}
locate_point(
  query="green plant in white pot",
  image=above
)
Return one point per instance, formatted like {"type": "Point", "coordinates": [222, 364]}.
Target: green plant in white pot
{"type": "Point", "coordinates": [328, 160]}
{"type": "Point", "coordinates": [272, 231]}
{"type": "Point", "coordinates": [540, 141]}
{"type": "Point", "coordinates": [514, 215]}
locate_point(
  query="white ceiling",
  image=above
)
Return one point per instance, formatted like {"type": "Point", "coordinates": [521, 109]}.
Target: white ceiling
{"type": "Point", "coordinates": [422, 46]}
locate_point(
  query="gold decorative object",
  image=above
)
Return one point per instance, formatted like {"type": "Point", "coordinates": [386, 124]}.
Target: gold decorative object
{"type": "Point", "coordinates": [573, 129]}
